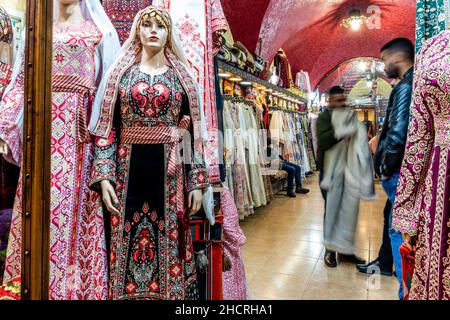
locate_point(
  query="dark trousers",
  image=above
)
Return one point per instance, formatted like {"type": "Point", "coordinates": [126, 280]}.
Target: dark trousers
{"type": "Point", "coordinates": [294, 173]}
{"type": "Point", "coordinates": [324, 196]}
{"type": "Point", "coordinates": [385, 254]}
{"type": "Point", "coordinates": [322, 191]}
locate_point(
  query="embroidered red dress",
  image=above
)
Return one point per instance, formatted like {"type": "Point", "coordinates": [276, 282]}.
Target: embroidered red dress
{"type": "Point", "coordinates": [422, 204]}
{"type": "Point", "coordinates": [78, 261]}
{"type": "Point", "coordinates": [145, 261]}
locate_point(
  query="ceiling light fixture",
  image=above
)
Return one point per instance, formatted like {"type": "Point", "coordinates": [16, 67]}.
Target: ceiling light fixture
{"type": "Point", "coordinates": [224, 75]}
{"type": "Point", "coordinates": [354, 20]}
{"type": "Point", "coordinates": [236, 79]}
{"type": "Point", "coordinates": [246, 83]}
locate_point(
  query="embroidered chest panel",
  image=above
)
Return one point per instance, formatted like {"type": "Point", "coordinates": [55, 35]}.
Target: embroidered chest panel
{"type": "Point", "coordinates": [148, 101]}
{"type": "Point", "coordinates": [74, 50]}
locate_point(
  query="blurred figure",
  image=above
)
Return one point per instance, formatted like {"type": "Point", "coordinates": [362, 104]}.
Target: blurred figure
{"type": "Point", "coordinates": [344, 178]}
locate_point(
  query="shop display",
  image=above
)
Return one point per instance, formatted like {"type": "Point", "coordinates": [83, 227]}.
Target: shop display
{"type": "Point", "coordinates": [144, 146]}
{"type": "Point", "coordinates": [162, 267]}
{"type": "Point", "coordinates": [281, 70]}
{"type": "Point", "coordinates": [76, 64]}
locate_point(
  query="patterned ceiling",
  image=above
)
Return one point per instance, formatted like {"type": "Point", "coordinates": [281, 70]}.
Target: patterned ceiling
{"type": "Point", "coordinates": [309, 31]}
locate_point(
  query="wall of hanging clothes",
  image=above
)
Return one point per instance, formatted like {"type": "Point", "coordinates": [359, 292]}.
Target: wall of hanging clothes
{"type": "Point", "coordinates": [290, 133]}
{"type": "Point", "coordinates": [249, 128]}
{"type": "Point", "coordinates": [243, 155]}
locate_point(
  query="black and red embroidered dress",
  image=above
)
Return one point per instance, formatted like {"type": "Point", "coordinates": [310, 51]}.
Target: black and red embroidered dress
{"type": "Point", "coordinates": [144, 245]}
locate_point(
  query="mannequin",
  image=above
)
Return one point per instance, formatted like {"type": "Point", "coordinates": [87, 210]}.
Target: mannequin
{"type": "Point", "coordinates": [8, 172]}
{"type": "Point", "coordinates": [84, 43]}
{"type": "Point", "coordinates": [150, 103]}
{"type": "Point", "coordinates": [282, 75]}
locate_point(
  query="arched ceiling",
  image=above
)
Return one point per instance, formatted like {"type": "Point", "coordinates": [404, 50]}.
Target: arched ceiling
{"type": "Point", "coordinates": [309, 31]}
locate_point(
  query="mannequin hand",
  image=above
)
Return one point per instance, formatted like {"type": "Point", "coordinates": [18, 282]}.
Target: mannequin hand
{"type": "Point", "coordinates": [3, 147]}
{"type": "Point", "coordinates": [195, 201]}
{"type": "Point", "coordinates": [109, 197]}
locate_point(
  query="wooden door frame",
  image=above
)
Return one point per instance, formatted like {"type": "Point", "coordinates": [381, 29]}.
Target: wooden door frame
{"type": "Point", "coordinates": [36, 151]}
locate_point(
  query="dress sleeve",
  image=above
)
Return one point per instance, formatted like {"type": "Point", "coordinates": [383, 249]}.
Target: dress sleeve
{"type": "Point", "coordinates": [105, 150]}
{"type": "Point", "coordinates": [416, 161]}
{"type": "Point", "coordinates": [197, 176]}
{"type": "Point", "coordinates": [11, 117]}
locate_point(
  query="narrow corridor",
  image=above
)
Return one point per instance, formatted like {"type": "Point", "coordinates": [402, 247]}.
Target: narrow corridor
{"type": "Point", "coordinates": [284, 255]}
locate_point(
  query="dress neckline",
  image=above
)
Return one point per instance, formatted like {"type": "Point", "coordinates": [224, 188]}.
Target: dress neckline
{"type": "Point", "coordinates": [155, 74]}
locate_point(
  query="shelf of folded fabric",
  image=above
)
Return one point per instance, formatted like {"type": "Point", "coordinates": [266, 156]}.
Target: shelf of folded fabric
{"type": "Point", "coordinates": [281, 93]}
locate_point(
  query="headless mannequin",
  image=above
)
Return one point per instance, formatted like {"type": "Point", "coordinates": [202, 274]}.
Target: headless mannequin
{"type": "Point", "coordinates": [69, 14]}
{"type": "Point", "coordinates": [153, 38]}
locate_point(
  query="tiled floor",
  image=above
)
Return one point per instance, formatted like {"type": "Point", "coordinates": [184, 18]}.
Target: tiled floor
{"type": "Point", "coordinates": [284, 256]}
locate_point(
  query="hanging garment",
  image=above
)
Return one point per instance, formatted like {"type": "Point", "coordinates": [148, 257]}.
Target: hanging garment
{"type": "Point", "coordinates": [242, 156]}
{"type": "Point", "coordinates": [263, 160]}
{"type": "Point", "coordinates": [432, 17]}
{"type": "Point", "coordinates": [283, 69]}
{"type": "Point", "coordinates": [250, 134]}
{"type": "Point", "coordinates": [196, 23]}
{"type": "Point", "coordinates": [302, 81]}
{"type": "Point", "coordinates": [294, 136]}
{"type": "Point", "coordinates": [422, 206]}
{"type": "Point", "coordinates": [300, 142]}
{"type": "Point", "coordinates": [236, 165]}
{"type": "Point", "coordinates": [122, 13]}
{"type": "Point", "coordinates": [313, 121]}
{"type": "Point", "coordinates": [234, 280]}
{"type": "Point", "coordinates": [288, 152]}
{"type": "Point", "coordinates": [77, 243]}
{"type": "Point", "coordinates": [308, 142]}
{"type": "Point", "coordinates": [348, 178]}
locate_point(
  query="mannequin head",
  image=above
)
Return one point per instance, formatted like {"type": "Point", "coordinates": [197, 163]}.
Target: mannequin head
{"type": "Point", "coordinates": [154, 31]}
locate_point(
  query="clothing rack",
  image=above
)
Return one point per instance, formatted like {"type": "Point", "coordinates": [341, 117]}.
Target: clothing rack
{"type": "Point", "coordinates": [238, 99]}
{"type": "Point", "coordinates": [249, 77]}
{"type": "Point", "coordinates": [287, 110]}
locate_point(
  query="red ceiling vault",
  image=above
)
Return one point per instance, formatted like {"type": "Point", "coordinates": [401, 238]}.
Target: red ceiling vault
{"type": "Point", "coordinates": [309, 30]}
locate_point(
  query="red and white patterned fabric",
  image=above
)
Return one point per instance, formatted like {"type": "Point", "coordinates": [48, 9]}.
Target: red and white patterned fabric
{"type": "Point", "coordinates": [78, 263]}
{"type": "Point", "coordinates": [234, 280]}
{"type": "Point", "coordinates": [122, 13]}
{"type": "Point", "coordinates": [196, 22]}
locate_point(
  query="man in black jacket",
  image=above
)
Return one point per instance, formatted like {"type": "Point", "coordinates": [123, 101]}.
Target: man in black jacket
{"type": "Point", "coordinates": [398, 57]}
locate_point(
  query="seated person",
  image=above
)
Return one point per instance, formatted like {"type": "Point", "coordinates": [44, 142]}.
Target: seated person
{"type": "Point", "coordinates": [294, 173]}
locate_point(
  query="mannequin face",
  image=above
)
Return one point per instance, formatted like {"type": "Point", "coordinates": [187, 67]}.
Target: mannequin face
{"type": "Point", "coordinates": [153, 34]}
